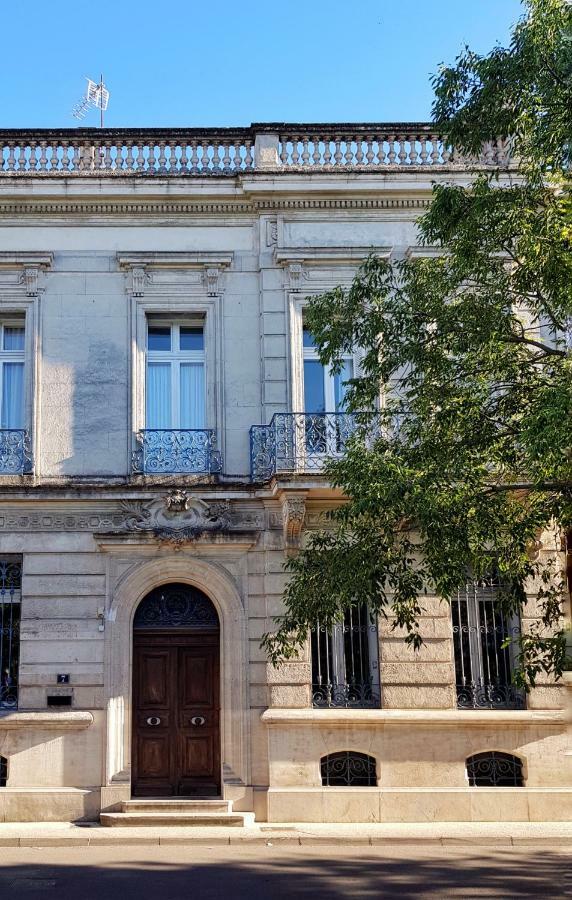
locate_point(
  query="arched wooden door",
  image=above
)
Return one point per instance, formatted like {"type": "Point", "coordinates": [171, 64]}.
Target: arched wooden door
{"type": "Point", "coordinates": [176, 712]}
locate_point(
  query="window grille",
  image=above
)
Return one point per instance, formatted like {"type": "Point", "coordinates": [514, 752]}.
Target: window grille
{"type": "Point", "coordinates": [348, 769]}
{"type": "Point", "coordinates": [345, 662]}
{"type": "Point", "coordinates": [483, 666]}
{"type": "Point", "coordinates": [3, 771]}
{"type": "Point", "coordinates": [494, 769]}
{"type": "Point", "coordinates": [10, 596]}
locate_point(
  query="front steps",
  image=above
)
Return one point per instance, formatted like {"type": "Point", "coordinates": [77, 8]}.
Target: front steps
{"type": "Point", "coordinates": [180, 813]}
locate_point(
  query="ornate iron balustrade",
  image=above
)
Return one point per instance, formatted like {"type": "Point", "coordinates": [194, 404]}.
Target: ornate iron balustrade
{"type": "Point", "coordinates": [15, 453]}
{"type": "Point", "coordinates": [167, 451]}
{"type": "Point", "coordinates": [298, 442]}
{"type": "Point", "coordinates": [354, 695]}
{"type": "Point", "coordinates": [489, 695]}
{"type": "Point", "coordinates": [231, 151]}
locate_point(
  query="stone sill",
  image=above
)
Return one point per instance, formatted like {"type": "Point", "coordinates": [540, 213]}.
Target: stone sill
{"type": "Point", "coordinates": [425, 717]}
{"type": "Point", "coordinates": [45, 721]}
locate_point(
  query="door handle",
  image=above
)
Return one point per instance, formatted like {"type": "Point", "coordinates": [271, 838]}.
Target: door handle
{"type": "Point", "coordinates": [198, 720]}
{"type": "Point", "coordinates": [153, 720]}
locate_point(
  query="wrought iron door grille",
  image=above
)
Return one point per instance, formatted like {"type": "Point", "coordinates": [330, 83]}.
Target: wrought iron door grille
{"type": "Point", "coordinates": [345, 662]}
{"type": "Point", "coordinates": [348, 769]}
{"type": "Point", "coordinates": [483, 664]}
{"type": "Point", "coordinates": [494, 769]}
{"type": "Point", "coordinates": [10, 595]}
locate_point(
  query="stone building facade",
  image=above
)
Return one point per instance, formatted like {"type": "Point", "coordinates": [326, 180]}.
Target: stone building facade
{"type": "Point", "coordinates": [164, 423]}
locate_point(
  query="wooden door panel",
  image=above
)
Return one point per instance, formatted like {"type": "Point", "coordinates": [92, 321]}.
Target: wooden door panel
{"type": "Point", "coordinates": [197, 757]}
{"type": "Point", "coordinates": [197, 679]}
{"type": "Point", "coordinates": [176, 682]}
{"type": "Point", "coordinates": [154, 756]}
{"type": "Point", "coordinates": [153, 680]}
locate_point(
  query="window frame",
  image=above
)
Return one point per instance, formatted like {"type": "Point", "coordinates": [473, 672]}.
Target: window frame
{"type": "Point", "coordinates": [176, 358]}
{"type": "Point", "coordinates": [335, 692]}
{"type": "Point", "coordinates": [13, 356]}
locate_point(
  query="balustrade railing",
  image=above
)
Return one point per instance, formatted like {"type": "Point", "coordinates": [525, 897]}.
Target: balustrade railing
{"type": "Point", "coordinates": [163, 451]}
{"type": "Point", "coordinates": [298, 442]}
{"type": "Point", "coordinates": [15, 453]}
{"type": "Point", "coordinates": [231, 151]}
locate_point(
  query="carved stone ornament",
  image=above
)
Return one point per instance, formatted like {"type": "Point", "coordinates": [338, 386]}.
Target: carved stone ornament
{"type": "Point", "coordinates": [295, 275]}
{"type": "Point", "coordinates": [175, 519]}
{"type": "Point", "coordinates": [212, 277]}
{"type": "Point", "coordinates": [139, 279]}
{"type": "Point", "coordinates": [293, 515]}
{"type": "Point", "coordinates": [30, 279]}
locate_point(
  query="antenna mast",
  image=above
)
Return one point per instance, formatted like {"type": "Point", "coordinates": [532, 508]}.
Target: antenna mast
{"type": "Point", "coordinates": [96, 95]}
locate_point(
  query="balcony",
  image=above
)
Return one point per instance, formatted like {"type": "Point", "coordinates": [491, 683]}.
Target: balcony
{"type": "Point", "coordinates": [298, 443]}
{"type": "Point", "coordinates": [166, 451]}
{"type": "Point", "coordinates": [200, 152]}
{"type": "Point", "coordinates": [15, 454]}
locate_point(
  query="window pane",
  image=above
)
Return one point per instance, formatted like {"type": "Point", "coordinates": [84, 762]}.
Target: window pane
{"type": "Point", "coordinates": [192, 339]}
{"type": "Point", "coordinates": [307, 339]}
{"type": "Point", "coordinates": [340, 384]}
{"type": "Point", "coordinates": [13, 395]}
{"type": "Point", "coordinates": [314, 397]}
{"type": "Point", "coordinates": [159, 337]}
{"type": "Point", "coordinates": [13, 337]}
{"type": "Point", "coordinates": [159, 395]}
{"type": "Point", "coordinates": [192, 395]}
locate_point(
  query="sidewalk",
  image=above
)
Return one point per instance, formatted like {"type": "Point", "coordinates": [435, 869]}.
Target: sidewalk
{"type": "Point", "coordinates": [502, 834]}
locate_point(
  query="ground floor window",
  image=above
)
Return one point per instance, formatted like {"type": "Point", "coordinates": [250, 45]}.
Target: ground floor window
{"type": "Point", "coordinates": [348, 769]}
{"type": "Point", "coordinates": [10, 596]}
{"type": "Point", "coordinates": [345, 662]}
{"type": "Point", "coordinates": [484, 663]}
{"type": "Point", "coordinates": [494, 769]}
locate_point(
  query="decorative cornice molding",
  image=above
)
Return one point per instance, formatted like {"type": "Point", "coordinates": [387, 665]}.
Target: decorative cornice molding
{"type": "Point", "coordinates": [331, 255]}
{"type": "Point", "coordinates": [32, 265]}
{"type": "Point", "coordinates": [151, 208]}
{"type": "Point", "coordinates": [175, 259]}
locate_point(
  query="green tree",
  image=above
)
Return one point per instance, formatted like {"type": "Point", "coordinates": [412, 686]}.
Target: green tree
{"type": "Point", "coordinates": [468, 458]}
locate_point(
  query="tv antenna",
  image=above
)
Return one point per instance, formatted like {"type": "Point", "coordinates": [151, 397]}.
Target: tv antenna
{"type": "Point", "coordinates": [96, 97]}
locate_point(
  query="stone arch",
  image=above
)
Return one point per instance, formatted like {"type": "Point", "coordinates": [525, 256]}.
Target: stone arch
{"type": "Point", "coordinates": [220, 587]}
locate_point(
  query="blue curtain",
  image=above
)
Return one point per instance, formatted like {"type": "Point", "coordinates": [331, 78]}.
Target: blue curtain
{"type": "Point", "coordinates": [192, 395]}
{"type": "Point", "coordinates": [13, 395]}
{"type": "Point", "coordinates": [159, 396]}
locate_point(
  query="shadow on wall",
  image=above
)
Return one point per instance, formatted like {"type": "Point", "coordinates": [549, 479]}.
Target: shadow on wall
{"type": "Point", "coordinates": [208, 873]}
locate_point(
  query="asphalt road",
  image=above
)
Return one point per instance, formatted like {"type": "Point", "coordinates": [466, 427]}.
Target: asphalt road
{"type": "Point", "coordinates": [259, 871]}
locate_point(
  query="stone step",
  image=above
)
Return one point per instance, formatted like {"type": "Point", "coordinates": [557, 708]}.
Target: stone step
{"type": "Point", "coordinates": [176, 819]}
{"type": "Point", "coordinates": [179, 805]}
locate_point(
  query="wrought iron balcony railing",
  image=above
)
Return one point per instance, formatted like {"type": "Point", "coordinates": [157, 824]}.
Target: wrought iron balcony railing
{"type": "Point", "coordinates": [298, 442]}
{"type": "Point", "coordinates": [489, 695]}
{"type": "Point", "coordinates": [15, 453]}
{"type": "Point", "coordinates": [170, 451]}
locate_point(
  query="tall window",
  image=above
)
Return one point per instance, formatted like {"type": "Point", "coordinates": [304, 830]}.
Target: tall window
{"type": "Point", "coordinates": [345, 662]}
{"type": "Point", "coordinates": [483, 664]}
{"type": "Point", "coordinates": [12, 374]}
{"type": "Point", "coordinates": [175, 390]}
{"type": "Point", "coordinates": [323, 391]}
{"type": "Point", "coordinates": [10, 596]}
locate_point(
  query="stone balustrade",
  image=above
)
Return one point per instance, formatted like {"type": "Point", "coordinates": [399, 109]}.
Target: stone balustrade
{"type": "Point", "coordinates": [232, 151]}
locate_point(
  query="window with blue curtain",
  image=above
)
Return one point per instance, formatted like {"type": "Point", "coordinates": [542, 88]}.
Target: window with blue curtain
{"type": "Point", "coordinates": [12, 360]}
{"type": "Point", "coordinates": [175, 383]}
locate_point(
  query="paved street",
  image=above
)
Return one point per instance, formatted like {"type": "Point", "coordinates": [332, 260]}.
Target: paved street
{"type": "Point", "coordinates": [297, 873]}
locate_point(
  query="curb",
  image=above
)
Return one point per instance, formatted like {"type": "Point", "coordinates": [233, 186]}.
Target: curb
{"type": "Point", "coordinates": [293, 840]}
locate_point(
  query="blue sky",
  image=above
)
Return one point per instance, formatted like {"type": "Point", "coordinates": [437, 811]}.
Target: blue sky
{"type": "Point", "coordinates": [230, 63]}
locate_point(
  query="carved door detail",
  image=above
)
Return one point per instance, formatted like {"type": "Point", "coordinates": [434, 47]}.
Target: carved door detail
{"type": "Point", "coordinates": [176, 728]}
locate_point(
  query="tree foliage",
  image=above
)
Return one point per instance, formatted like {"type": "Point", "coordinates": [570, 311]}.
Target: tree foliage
{"type": "Point", "coordinates": [466, 358]}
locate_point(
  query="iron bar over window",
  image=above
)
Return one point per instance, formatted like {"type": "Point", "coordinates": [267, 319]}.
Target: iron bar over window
{"type": "Point", "coordinates": [345, 662]}
{"type": "Point", "coordinates": [483, 665]}
{"type": "Point", "coordinates": [494, 769]}
{"type": "Point", "coordinates": [348, 769]}
{"type": "Point", "coordinates": [10, 595]}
